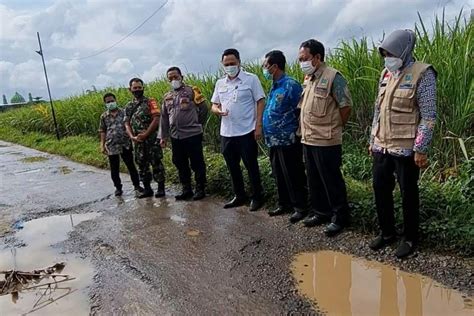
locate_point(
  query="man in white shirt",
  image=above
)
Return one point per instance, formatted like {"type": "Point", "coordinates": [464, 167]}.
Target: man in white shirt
{"type": "Point", "coordinates": [239, 100]}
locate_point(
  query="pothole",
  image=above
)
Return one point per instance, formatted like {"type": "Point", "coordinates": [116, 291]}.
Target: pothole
{"type": "Point", "coordinates": [47, 298]}
{"type": "Point", "coordinates": [65, 170]}
{"type": "Point", "coordinates": [193, 232]}
{"type": "Point", "coordinates": [340, 284]}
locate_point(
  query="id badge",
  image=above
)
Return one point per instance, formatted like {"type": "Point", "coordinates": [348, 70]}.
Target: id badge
{"type": "Point", "coordinates": [235, 94]}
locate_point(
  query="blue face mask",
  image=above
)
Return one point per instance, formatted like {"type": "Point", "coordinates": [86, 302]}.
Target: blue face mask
{"type": "Point", "coordinates": [267, 74]}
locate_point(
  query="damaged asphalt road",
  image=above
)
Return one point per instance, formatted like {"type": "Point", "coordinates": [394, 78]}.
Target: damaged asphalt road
{"type": "Point", "coordinates": [160, 256]}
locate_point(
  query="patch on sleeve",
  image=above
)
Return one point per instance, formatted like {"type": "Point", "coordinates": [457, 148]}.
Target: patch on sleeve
{"type": "Point", "coordinates": [385, 79]}
{"type": "Point", "coordinates": [153, 105]}
{"type": "Point", "coordinates": [198, 97]}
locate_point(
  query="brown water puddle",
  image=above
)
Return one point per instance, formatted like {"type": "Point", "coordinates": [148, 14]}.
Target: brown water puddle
{"type": "Point", "coordinates": [343, 285]}
{"type": "Point", "coordinates": [69, 298]}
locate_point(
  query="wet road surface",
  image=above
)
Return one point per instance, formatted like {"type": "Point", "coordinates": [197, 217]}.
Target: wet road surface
{"type": "Point", "coordinates": [160, 256]}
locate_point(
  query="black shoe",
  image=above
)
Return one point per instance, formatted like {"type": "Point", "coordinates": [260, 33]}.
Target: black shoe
{"type": "Point", "coordinates": [161, 190]}
{"type": "Point", "coordinates": [185, 195]}
{"type": "Point", "coordinates": [235, 202]}
{"type": "Point", "coordinates": [279, 211]}
{"type": "Point", "coordinates": [199, 195]}
{"type": "Point", "coordinates": [315, 220]}
{"type": "Point", "coordinates": [118, 192]}
{"type": "Point", "coordinates": [404, 249]}
{"type": "Point", "coordinates": [333, 229]}
{"type": "Point", "coordinates": [147, 192]}
{"type": "Point", "coordinates": [381, 242]}
{"type": "Point", "coordinates": [297, 216]}
{"type": "Point", "coordinates": [138, 190]}
{"type": "Point", "coordinates": [255, 205]}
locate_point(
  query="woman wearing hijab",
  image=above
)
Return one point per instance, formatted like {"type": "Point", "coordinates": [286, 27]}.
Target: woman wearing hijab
{"type": "Point", "coordinates": [402, 129]}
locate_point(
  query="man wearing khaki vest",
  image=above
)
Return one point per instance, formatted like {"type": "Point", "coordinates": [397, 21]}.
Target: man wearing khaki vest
{"type": "Point", "coordinates": [325, 108]}
{"type": "Point", "coordinates": [405, 113]}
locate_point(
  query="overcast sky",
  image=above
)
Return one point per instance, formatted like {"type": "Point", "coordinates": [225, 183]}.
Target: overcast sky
{"type": "Point", "coordinates": [188, 33]}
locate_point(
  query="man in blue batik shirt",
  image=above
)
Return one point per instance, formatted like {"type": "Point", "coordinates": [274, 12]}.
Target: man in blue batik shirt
{"type": "Point", "coordinates": [280, 125]}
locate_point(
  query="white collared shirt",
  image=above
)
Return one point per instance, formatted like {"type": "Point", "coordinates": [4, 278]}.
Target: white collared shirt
{"type": "Point", "coordinates": [239, 96]}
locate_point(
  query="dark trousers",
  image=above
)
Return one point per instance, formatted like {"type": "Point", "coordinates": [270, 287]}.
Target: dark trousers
{"type": "Point", "coordinates": [384, 168]}
{"type": "Point", "coordinates": [245, 148]}
{"type": "Point", "coordinates": [189, 151]}
{"type": "Point", "coordinates": [114, 161]}
{"type": "Point", "coordinates": [288, 170]}
{"type": "Point", "coordinates": [327, 189]}
{"type": "Point", "coordinates": [149, 153]}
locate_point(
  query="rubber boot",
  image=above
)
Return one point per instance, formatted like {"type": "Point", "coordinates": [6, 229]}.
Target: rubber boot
{"type": "Point", "coordinates": [147, 192]}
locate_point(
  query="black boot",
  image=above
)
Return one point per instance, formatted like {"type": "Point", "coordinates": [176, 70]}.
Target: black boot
{"type": "Point", "coordinates": [138, 190]}
{"type": "Point", "coordinates": [200, 192]}
{"type": "Point", "coordinates": [147, 192]}
{"type": "Point", "coordinates": [118, 191]}
{"type": "Point", "coordinates": [186, 193]}
{"type": "Point", "coordinates": [161, 190]}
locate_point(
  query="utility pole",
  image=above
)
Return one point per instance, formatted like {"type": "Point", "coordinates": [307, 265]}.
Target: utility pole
{"type": "Point", "coordinates": [40, 52]}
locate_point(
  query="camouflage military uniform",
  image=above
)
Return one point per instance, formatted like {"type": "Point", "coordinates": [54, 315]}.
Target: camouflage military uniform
{"type": "Point", "coordinates": [140, 114]}
{"type": "Point", "coordinates": [116, 138]}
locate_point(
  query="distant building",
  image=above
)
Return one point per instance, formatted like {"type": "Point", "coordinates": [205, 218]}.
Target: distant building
{"type": "Point", "coordinates": [17, 98]}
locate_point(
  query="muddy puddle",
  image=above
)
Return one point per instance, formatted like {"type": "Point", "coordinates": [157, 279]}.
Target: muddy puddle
{"type": "Point", "coordinates": [344, 285]}
{"type": "Point", "coordinates": [37, 238]}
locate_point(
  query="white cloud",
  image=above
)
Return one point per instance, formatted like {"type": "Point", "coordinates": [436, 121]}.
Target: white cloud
{"type": "Point", "coordinates": [120, 66]}
{"type": "Point", "coordinates": [190, 34]}
{"type": "Point", "coordinates": [155, 72]}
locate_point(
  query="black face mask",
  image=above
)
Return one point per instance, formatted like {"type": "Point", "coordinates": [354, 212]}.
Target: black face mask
{"type": "Point", "coordinates": [138, 94]}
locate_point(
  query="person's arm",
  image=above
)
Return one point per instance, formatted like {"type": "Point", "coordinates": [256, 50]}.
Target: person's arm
{"type": "Point", "coordinates": [259, 123]}
{"type": "Point", "coordinates": [217, 109]}
{"type": "Point", "coordinates": [259, 97]}
{"type": "Point", "coordinates": [345, 113]}
{"type": "Point", "coordinates": [342, 95]}
{"type": "Point", "coordinates": [155, 114]}
{"type": "Point", "coordinates": [126, 120]}
{"type": "Point", "coordinates": [129, 131]}
{"type": "Point", "coordinates": [375, 121]}
{"type": "Point", "coordinates": [216, 103]}
{"type": "Point", "coordinates": [103, 147]}
{"type": "Point", "coordinates": [163, 132]}
{"type": "Point", "coordinates": [153, 126]}
{"type": "Point", "coordinates": [203, 113]}
{"type": "Point", "coordinates": [426, 99]}
{"type": "Point", "coordinates": [102, 130]}
{"type": "Point", "coordinates": [201, 104]}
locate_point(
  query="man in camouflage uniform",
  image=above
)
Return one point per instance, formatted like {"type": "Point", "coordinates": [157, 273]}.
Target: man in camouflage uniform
{"type": "Point", "coordinates": [183, 114]}
{"type": "Point", "coordinates": [142, 117]}
{"type": "Point", "coordinates": [115, 143]}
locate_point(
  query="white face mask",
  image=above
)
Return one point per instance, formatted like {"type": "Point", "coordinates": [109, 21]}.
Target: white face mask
{"type": "Point", "coordinates": [232, 71]}
{"type": "Point", "coordinates": [176, 84]}
{"type": "Point", "coordinates": [111, 106]}
{"type": "Point", "coordinates": [393, 63]}
{"type": "Point", "coordinates": [307, 67]}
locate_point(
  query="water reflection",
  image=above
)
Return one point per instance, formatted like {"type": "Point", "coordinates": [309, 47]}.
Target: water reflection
{"type": "Point", "coordinates": [344, 285]}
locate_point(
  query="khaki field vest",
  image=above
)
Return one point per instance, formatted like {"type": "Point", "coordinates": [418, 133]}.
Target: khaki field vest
{"type": "Point", "coordinates": [399, 112]}
{"type": "Point", "coordinates": [320, 119]}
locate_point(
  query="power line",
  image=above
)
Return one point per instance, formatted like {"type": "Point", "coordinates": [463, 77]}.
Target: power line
{"type": "Point", "coordinates": [119, 41]}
